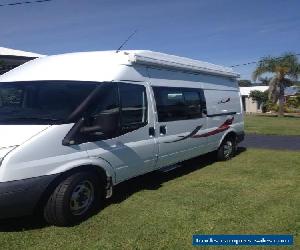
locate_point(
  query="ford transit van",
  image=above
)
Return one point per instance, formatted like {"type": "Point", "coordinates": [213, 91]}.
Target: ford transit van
{"type": "Point", "coordinates": [73, 126]}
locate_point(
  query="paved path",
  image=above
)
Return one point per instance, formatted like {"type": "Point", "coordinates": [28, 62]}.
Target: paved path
{"type": "Point", "coordinates": [271, 142]}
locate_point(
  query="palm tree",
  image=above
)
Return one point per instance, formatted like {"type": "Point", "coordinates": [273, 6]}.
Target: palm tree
{"type": "Point", "coordinates": [284, 69]}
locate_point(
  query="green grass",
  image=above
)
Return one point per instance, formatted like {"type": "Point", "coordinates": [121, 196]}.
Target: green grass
{"type": "Point", "coordinates": [272, 125]}
{"type": "Point", "coordinates": [257, 192]}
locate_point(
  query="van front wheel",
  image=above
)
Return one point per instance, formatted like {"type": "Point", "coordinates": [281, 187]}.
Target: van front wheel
{"type": "Point", "coordinates": [227, 149]}
{"type": "Point", "coordinates": [74, 199]}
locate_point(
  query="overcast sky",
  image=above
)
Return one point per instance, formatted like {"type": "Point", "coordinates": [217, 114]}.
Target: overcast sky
{"type": "Point", "coordinates": [226, 32]}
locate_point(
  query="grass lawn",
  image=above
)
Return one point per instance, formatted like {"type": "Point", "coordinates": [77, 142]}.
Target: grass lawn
{"type": "Point", "coordinates": [271, 125]}
{"type": "Point", "coordinates": [257, 192]}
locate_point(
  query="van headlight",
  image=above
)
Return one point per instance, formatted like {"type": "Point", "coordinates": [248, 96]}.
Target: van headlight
{"type": "Point", "coordinates": [4, 152]}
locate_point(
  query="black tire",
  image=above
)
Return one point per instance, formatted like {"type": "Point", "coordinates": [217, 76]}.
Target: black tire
{"type": "Point", "coordinates": [227, 149]}
{"type": "Point", "coordinates": [63, 205]}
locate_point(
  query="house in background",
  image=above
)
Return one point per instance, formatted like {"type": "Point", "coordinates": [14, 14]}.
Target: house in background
{"type": "Point", "coordinates": [11, 58]}
{"type": "Point", "coordinates": [292, 91]}
{"type": "Point", "coordinates": [249, 105]}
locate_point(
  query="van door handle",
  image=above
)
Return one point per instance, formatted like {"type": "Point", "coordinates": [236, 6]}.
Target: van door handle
{"type": "Point", "coordinates": [163, 130]}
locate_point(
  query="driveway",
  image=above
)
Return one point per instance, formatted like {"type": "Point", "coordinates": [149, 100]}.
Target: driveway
{"type": "Point", "coordinates": [271, 142]}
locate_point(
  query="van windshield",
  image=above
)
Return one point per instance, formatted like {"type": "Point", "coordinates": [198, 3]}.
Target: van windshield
{"type": "Point", "coordinates": [41, 102]}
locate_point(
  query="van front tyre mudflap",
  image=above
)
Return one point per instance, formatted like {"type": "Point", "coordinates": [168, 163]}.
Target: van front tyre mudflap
{"type": "Point", "coordinates": [74, 199]}
{"type": "Point", "coordinates": [227, 149]}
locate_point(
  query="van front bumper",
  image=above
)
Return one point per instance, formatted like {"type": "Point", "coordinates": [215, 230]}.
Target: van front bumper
{"type": "Point", "coordinates": [18, 198]}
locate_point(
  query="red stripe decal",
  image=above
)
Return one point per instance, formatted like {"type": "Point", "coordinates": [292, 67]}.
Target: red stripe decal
{"type": "Point", "coordinates": [223, 127]}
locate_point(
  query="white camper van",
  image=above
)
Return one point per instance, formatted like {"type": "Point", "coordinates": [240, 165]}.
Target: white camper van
{"type": "Point", "coordinates": [73, 126]}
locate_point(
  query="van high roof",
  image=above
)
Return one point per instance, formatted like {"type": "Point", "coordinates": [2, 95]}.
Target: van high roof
{"type": "Point", "coordinates": [91, 66]}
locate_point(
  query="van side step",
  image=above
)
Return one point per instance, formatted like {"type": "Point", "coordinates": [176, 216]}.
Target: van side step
{"type": "Point", "coordinates": [169, 168]}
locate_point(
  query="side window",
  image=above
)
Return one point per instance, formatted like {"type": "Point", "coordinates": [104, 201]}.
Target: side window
{"type": "Point", "coordinates": [193, 104]}
{"type": "Point", "coordinates": [11, 97]}
{"type": "Point", "coordinates": [133, 106]}
{"type": "Point", "coordinates": [169, 104]}
{"type": "Point", "coordinates": [203, 101]}
{"type": "Point", "coordinates": [108, 101]}
{"type": "Point", "coordinates": [105, 111]}
{"type": "Point", "coordinates": [177, 103]}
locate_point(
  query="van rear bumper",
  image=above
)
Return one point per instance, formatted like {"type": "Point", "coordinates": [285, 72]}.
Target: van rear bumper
{"type": "Point", "coordinates": [18, 198]}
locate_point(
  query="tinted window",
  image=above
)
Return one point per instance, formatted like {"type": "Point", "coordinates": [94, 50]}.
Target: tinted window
{"type": "Point", "coordinates": [133, 105]}
{"type": "Point", "coordinates": [177, 103]}
{"type": "Point", "coordinates": [107, 102]}
{"type": "Point", "coordinates": [41, 102]}
{"type": "Point", "coordinates": [105, 112]}
{"type": "Point", "coordinates": [193, 104]}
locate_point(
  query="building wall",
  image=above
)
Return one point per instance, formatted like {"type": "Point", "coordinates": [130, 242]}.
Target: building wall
{"type": "Point", "coordinates": [250, 106]}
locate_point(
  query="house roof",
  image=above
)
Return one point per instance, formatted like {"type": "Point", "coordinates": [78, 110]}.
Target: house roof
{"type": "Point", "coordinates": [245, 91]}
{"type": "Point", "coordinates": [289, 91]}
{"type": "Point", "coordinates": [293, 90]}
{"type": "Point", "coordinates": [18, 53]}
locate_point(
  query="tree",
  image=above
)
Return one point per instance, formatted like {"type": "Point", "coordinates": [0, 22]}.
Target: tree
{"type": "Point", "coordinates": [244, 83]}
{"type": "Point", "coordinates": [264, 80]}
{"type": "Point", "coordinates": [284, 69]}
{"type": "Point", "coordinates": [260, 97]}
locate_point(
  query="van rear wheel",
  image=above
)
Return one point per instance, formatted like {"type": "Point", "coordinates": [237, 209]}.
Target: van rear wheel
{"type": "Point", "coordinates": [227, 149]}
{"type": "Point", "coordinates": [74, 199]}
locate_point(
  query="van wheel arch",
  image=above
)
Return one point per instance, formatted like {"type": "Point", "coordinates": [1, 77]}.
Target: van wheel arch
{"type": "Point", "coordinates": [99, 171]}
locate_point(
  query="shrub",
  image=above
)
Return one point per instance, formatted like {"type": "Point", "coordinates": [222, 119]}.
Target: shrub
{"type": "Point", "coordinates": [261, 98]}
{"type": "Point", "coordinates": [293, 102]}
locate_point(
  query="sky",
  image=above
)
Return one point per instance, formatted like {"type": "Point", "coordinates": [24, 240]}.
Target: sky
{"type": "Point", "coordinates": [226, 32]}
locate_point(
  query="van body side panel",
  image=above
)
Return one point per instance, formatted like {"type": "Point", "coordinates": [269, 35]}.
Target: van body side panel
{"type": "Point", "coordinates": [175, 147]}
{"type": "Point", "coordinates": [130, 154]}
{"type": "Point", "coordinates": [41, 155]}
{"type": "Point", "coordinates": [178, 143]}
{"type": "Point", "coordinates": [27, 168]}
{"type": "Point", "coordinates": [218, 82]}
{"type": "Point", "coordinates": [223, 104]}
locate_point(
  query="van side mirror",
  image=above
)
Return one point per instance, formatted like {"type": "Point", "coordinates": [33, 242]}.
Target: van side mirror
{"type": "Point", "coordinates": [104, 126]}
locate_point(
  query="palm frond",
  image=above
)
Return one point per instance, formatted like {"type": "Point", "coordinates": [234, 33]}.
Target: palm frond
{"type": "Point", "coordinates": [265, 65]}
{"type": "Point", "coordinates": [290, 65]}
{"type": "Point", "coordinates": [285, 66]}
